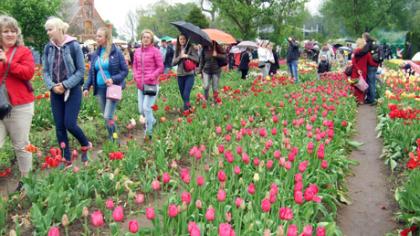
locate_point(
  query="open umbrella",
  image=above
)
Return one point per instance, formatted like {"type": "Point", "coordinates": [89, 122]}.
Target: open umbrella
{"type": "Point", "coordinates": [219, 36]}
{"type": "Point", "coordinates": [192, 32]}
{"type": "Point", "coordinates": [248, 44]}
{"type": "Point", "coordinates": [236, 49]}
{"type": "Point", "coordinates": [416, 57]}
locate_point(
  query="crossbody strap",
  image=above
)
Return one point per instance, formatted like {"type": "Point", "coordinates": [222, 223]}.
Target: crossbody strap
{"type": "Point", "coordinates": [8, 65]}
{"type": "Point", "coordinates": [101, 70]}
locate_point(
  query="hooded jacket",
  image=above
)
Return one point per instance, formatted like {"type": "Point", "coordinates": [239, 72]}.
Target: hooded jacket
{"type": "Point", "coordinates": [73, 59]}
{"type": "Point", "coordinates": [147, 66]}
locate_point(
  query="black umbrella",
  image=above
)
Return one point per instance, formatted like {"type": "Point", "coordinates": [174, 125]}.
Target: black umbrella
{"type": "Point", "coordinates": [192, 32]}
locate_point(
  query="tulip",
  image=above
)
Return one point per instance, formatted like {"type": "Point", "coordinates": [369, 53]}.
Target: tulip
{"type": "Point", "coordinates": [97, 219]}
{"type": "Point", "coordinates": [198, 204]}
{"type": "Point", "coordinates": [218, 130]}
{"type": "Point", "coordinates": [292, 230]}
{"type": "Point", "coordinates": [210, 213]}
{"type": "Point", "coordinates": [193, 229]}
{"type": "Point", "coordinates": [310, 192]}
{"type": "Point", "coordinates": [54, 231]}
{"type": "Point", "coordinates": [239, 150]}
{"type": "Point", "coordinates": [320, 231]}
{"type": "Point", "coordinates": [229, 156]}
{"type": "Point", "coordinates": [185, 175]}
{"type": "Point", "coordinates": [155, 185]}
{"type": "Point", "coordinates": [228, 138]}
{"type": "Point", "coordinates": [65, 220]}
{"type": "Point", "coordinates": [251, 188]}
{"type": "Point", "coordinates": [221, 148]}
{"type": "Point", "coordinates": [303, 165]}
{"type": "Point", "coordinates": [285, 213]}
{"type": "Point", "coordinates": [238, 202]}
{"type": "Point", "coordinates": [269, 164]}
{"type": "Point", "coordinates": [277, 154]}
{"type": "Point", "coordinates": [307, 230]}
{"type": "Point", "coordinates": [256, 161]}
{"type": "Point", "coordinates": [237, 170]}
{"type": "Point", "coordinates": [298, 195]}
{"type": "Point", "coordinates": [200, 180]}
{"type": "Point", "coordinates": [265, 205]}
{"type": "Point", "coordinates": [118, 214]}
{"type": "Point", "coordinates": [63, 145]}
{"type": "Point", "coordinates": [186, 197]}
{"type": "Point", "coordinates": [172, 210]}
{"type": "Point", "coordinates": [109, 204]}
{"type": "Point", "coordinates": [274, 131]}
{"type": "Point", "coordinates": [298, 186]}
{"type": "Point", "coordinates": [228, 127]}
{"type": "Point", "coordinates": [76, 169]}
{"type": "Point", "coordinates": [166, 178]}
{"type": "Point", "coordinates": [324, 164]}
{"type": "Point", "coordinates": [133, 226]}
{"type": "Point", "coordinates": [288, 165]}
{"type": "Point", "coordinates": [139, 199]}
{"type": "Point", "coordinates": [226, 229]}
{"type": "Point", "coordinates": [245, 158]}
{"type": "Point", "coordinates": [221, 195]}
{"type": "Point", "coordinates": [150, 213]}
{"type": "Point", "coordinates": [221, 176]}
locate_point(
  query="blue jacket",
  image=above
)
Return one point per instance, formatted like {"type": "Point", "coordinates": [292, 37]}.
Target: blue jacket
{"type": "Point", "coordinates": [73, 61]}
{"type": "Point", "coordinates": [117, 68]}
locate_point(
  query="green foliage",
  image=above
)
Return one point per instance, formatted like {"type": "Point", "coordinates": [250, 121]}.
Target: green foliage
{"type": "Point", "coordinates": [197, 18]}
{"type": "Point", "coordinates": [31, 15]}
{"type": "Point", "coordinates": [408, 197]}
{"type": "Point", "coordinates": [158, 16]}
{"type": "Point", "coordinates": [412, 45]}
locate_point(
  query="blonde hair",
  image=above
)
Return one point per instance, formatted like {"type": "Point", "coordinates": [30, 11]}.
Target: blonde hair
{"type": "Point", "coordinates": [12, 24]}
{"type": "Point", "coordinates": [57, 23]}
{"type": "Point", "coordinates": [360, 43]}
{"type": "Point", "coordinates": [147, 31]}
{"type": "Point", "coordinates": [108, 37]}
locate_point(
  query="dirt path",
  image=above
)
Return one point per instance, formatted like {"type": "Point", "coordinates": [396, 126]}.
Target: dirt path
{"type": "Point", "coordinates": [371, 211]}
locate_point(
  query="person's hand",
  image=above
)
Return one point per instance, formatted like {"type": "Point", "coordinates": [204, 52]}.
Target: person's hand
{"type": "Point", "coordinates": [289, 38]}
{"type": "Point", "coordinates": [85, 93]}
{"type": "Point", "coordinates": [108, 82]}
{"type": "Point", "coordinates": [59, 89]}
{"type": "Point", "coordinates": [215, 53]}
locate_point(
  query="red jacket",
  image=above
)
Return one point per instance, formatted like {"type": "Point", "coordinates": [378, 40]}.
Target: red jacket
{"type": "Point", "coordinates": [361, 63]}
{"type": "Point", "coordinates": [147, 66]}
{"type": "Point", "coordinates": [21, 71]}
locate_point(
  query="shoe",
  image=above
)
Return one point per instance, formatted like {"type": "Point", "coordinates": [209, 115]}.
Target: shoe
{"type": "Point", "coordinates": [19, 187]}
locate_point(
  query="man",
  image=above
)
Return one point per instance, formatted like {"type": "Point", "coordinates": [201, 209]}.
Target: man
{"type": "Point", "coordinates": [167, 55]}
{"type": "Point", "coordinates": [293, 58]}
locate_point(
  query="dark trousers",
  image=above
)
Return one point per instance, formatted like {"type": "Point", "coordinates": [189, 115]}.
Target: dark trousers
{"type": "Point", "coordinates": [244, 73]}
{"type": "Point", "coordinates": [65, 117]}
{"type": "Point", "coordinates": [185, 84]}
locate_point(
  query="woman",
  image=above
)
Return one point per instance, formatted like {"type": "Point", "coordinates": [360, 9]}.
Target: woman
{"type": "Point", "coordinates": [244, 62]}
{"type": "Point", "coordinates": [147, 66]}
{"type": "Point", "coordinates": [292, 58]}
{"type": "Point", "coordinates": [64, 68]}
{"type": "Point", "coordinates": [107, 67]}
{"type": "Point", "coordinates": [184, 51]}
{"type": "Point", "coordinates": [359, 70]}
{"type": "Point", "coordinates": [16, 70]}
{"type": "Point", "coordinates": [210, 68]}
{"type": "Point", "coordinates": [265, 57]}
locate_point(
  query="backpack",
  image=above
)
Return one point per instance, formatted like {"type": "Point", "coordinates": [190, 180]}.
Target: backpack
{"type": "Point", "coordinates": [378, 53]}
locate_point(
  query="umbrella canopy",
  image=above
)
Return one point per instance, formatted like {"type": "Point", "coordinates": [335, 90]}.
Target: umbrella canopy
{"type": "Point", "coordinates": [416, 57]}
{"type": "Point", "coordinates": [219, 36]}
{"type": "Point", "coordinates": [192, 32]}
{"type": "Point", "coordinates": [167, 38]}
{"type": "Point", "coordinates": [236, 49]}
{"type": "Point", "coordinates": [345, 49]}
{"type": "Point", "coordinates": [248, 44]}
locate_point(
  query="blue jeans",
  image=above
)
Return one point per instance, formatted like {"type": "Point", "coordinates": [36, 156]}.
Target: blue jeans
{"type": "Point", "coordinates": [108, 108]}
{"type": "Point", "coordinates": [145, 103]}
{"type": "Point", "coordinates": [65, 117]}
{"type": "Point", "coordinates": [185, 84]}
{"type": "Point", "coordinates": [214, 80]}
{"type": "Point", "coordinates": [371, 80]}
{"type": "Point", "coordinates": [293, 69]}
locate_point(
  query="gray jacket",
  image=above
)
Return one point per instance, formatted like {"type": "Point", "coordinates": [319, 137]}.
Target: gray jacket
{"type": "Point", "coordinates": [75, 67]}
{"type": "Point", "coordinates": [177, 60]}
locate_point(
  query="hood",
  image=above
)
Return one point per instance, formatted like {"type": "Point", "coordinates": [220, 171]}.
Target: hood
{"type": "Point", "coordinates": [67, 39]}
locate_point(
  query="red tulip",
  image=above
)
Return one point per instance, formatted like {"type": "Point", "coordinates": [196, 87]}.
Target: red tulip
{"type": "Point", "coordinates": [344, 123]}
{"type": "Point", "coordinates": [320, 231]}
{"type": "Point", "coordinates": [200, 180]}
{"type": "Point", "coordinates": [310, 192]}
{"type": "Point", "coordinates": [185, 175]}
{"type": "Point", "coordinates": [210, 213]}
{"type": "Point", "coordinates": [269, 164]}
{"type": "Point", "coordinates": [310, 147]}
{"type": "Point", "coordinates": [256, 161]}
{"type": "Point", "coordinates": [166, 178]}
{"type": "Point", "coordinates": [109, 204]}
{"type": "Point", "coordinates": [273, 131]}
{"type": "Point", "coordinates": [133, 226]}
{"type": "Point", "coordinates": [229, 156]}
{"type": "Point", "coordinates": [239, 150]}
{"type": "Point", "coordinates": [118, 214]}
{"type": "Point", "coordinates": [172, 210]}
{"type": "Point", "coordinates": [150, 213]}
{"type": "Point", "coordinates": [54, 231]}
{"type": "Point", "coordinates": [228, 127]}
{"type": "Point", "coordinates": [97, 219]}
{"type": "Point", "coordinates": [221, 176]}
{"type": "Point", "coordinates": [186, 197]}
{"type": "Point", "coordinates": [221, 148]}
{"type": "Point", "coordinates": [265, 205]}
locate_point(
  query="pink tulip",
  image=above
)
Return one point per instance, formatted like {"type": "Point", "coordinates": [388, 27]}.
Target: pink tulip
{"type": "Point", "coordinates": [210, 214]}
{"type": "Point", "coordinates": [109, 204]}
{"type": "Point", "coordinates": [54, 231]}
{"type": "Point", "coordinates": [172, 210]}
{"type": "Point", "coordinates": [166, 178]}
{"type": "Point", "coordinates": [229, 156]}
{"type": "Point", "coordinates": [243, 123]}
{"type": "Point", "coordinates": [269, 164]}
{"type": "Point", "coordinates": [228, 127]}
{"type": "Point", "coordinates": [226, 229]}
{"type": "Point", "coordinates": [150, 213]}
{"type": "Point", "coordinates": [275, 119]}
{"type": "Point", "coordinates": [186, 197]}
{"type": "Point", "coordinates": [118, 214]}
{"type": "Point", "coordinates": [193, 229]}
{"type": "Point", "coordinates": [282, 161]}
{"type": "Point", "coordinates": [274, 131]}
{"type": "Point", "coordinates": [262, 132]}
{"type": "Point", "coordinates": [185, 175]}
{"type": "Point", "coordinates": [310, 147]}
{"type": "Point", "coordinates": [288, 165]}
{"type": "Point", "coordinates": [265, 205]}
{"type": "Point", "coordinates": [237, 170]}
{"type": "Point", "coordinates": [218, 130]}
{"type": "Point", "coordinates": [298, 177]}
{"type": "Point", "coordinates": [239, 150]}
{"type": "Point", "coordinates": [63, 145]}
{"type": "Point", "coordinates": [298, 195]}
{"type": "Point", "coordinates": [221, 176]}
{"type": "Point", "coordinates": [245, 158]}
{"type": "Point", "coordinates": [307, 230]}
{"type": "Point", "coordinates": [97, 219]}
{"type": "Point", "coordinates": [298, 186]}
{"type": "Point", "coordinates": [303, 165]}
{"type": "Point", "coordinates": [139, 199]}
{"type": "Point", "coordinates": [221, 195]}
{"type": "Point", "coordinates": [198, 204]}
{"type": "Point", "coordinates": [251, 188]}
{"type": "Point", "coordinates": [238, 202]}
{"type": "Point", "coordinates": [292, 230]}
{"type": "Point", "coordinates": [133, 226]}
{"type": "Point", "coordinates": [321, 151]}
{"type": "Point", "coordinates": [285, 213]}
{"type": "Point", "coordinates": [324, 164]}
{"type": "Point", "coordinates": [200, 180]}
{"type": "Point", "coordinates": [321, 231]}
{"type": "Point", "coordinates": [228, 138]}
{"type": "Point", "coordinates": [251, 119]}
{"type": "Point", "coordinates": [310, 192]}
{"type": "Point", "coordinates": [256, 161]}
{"type": "Point", "coordinates": [268, 144]}
{"type": "Point", "coordinates": [221, 148]}
{"type": "Point", "coordinates": [277, 154]}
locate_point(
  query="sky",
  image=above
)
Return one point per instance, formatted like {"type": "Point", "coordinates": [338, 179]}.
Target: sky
{"type": "Point", "coordinates": [116, 10]}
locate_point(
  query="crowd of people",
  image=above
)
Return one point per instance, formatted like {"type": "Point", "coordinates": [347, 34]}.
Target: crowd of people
{"type": "Point", "coordinates": [64, 71]}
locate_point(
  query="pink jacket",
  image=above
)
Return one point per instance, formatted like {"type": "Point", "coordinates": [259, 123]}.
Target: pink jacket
{"type": "Point", "coordinates": [147, 66]}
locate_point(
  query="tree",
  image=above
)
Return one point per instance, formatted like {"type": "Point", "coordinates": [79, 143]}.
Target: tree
{"type": "Point", "coordinates": [32, 15]}
{"type": "Point", "coordinates": [114, 30]}
{"type": "Point", "coordinates": [131, 25]}
{"type": "Point", "coordinates": [197, 18]}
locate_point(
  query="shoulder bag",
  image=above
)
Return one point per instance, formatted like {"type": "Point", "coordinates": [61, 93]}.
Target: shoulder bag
{"type": "Point", "coordinates": [5, 105]}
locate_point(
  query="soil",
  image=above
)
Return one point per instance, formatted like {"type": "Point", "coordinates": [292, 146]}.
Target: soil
{"type": "Point", "coordinates": [372, 207]}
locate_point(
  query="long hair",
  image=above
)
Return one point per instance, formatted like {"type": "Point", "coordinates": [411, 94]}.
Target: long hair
{"type": "Point", "coordinates": [57, 23]}
{"type": "Point", "coordinates": [108, 37]}
{"type": "Point", "coordinates": [179, 47]}
{"type": "Point", "coordinates": [12, 24]}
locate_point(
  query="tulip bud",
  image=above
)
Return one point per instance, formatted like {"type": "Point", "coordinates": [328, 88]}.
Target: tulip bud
{"type": "Point", "coordinates": [65, 220]}
{"type": "Point", "coordinates": [85, 212]}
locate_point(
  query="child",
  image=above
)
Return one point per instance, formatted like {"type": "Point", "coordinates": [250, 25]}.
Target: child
{"type": "Point", "coordinates": [323, 66]}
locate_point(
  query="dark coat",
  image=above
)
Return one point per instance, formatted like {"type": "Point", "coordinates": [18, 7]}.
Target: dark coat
{"type": "Point", "coordinates": [292, 51]}
{"type": "Point", "coordinates": [169, 56]}
{"type": "Point", "coordinates": [244, 61]}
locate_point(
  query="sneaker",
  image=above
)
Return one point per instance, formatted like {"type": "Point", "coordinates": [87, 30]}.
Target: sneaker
{"type": "Point", "coordinates": [19, 187]}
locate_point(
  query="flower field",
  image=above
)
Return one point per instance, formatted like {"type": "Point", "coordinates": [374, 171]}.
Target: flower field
{"type": "Point", "coordinates": [269, 158]}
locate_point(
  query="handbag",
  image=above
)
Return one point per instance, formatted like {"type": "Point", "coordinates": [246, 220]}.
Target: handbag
{"type": "Point", "coordinates": [222, 62]}
{"type": "Point", "coordinates": [5, 105]}
{"type": "Point", "coordinates": [361, 84]}
{"type": "Point", "coordinates": [348, 70]}
{"type": "Point", "coordinates": [148, 89]}
{"type": "Point", "coordinates": [113, 92]}
{"type": "Point", "coordinates": [189, 65]}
